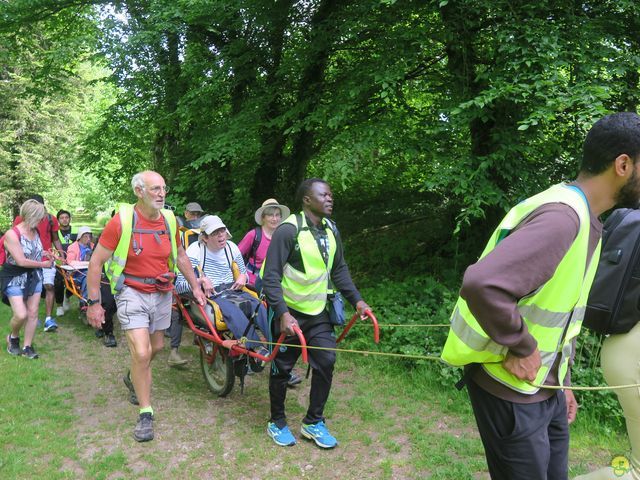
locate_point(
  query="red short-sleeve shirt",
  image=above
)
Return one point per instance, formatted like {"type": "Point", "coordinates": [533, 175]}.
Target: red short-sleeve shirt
{"type": "Point", "coordinates": [45, 229]}
{"type": "Point", "coordinates": [151, 259]}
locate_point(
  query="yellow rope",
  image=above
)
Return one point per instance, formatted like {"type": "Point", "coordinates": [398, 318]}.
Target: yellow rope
{"type": "Point", "coordinates": [347, 350]}
{"type": "Point", "coordinates": [403, 324]}
{"type": "Point", "coordinates": [436, 358]}
{"type": "Point", "coordinates": [592, 389]}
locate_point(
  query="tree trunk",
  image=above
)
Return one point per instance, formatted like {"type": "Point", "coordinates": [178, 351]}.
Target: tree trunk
{"type": "Point", "coordinates": [321, 37]}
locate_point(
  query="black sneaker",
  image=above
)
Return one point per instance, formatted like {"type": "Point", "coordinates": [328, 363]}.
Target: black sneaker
{"type": "Point", "coordinates": [99, 333]}
{"type": "Point", "coordinates": [13, 346]}
{"type": "Point", "coordinates": [133, 398]}
{"type": "Point", "coordinates": [144, 428]}
{"type": "Point", "coordinates": [29, 352]}
{"type": "Point", "coordinates": [110, 340]}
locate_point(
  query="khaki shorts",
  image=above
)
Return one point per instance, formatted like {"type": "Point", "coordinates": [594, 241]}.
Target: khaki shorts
{"type": "Point", "coordinates": [144, 310]}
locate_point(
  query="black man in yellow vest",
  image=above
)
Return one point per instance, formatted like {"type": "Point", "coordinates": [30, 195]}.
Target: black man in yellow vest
{"type": "Point", "coordinates": [521, 307]}
{"type": "Point", "coordinates": [141, 244]}
{"type": "Point", "coordinates": [303, 270]}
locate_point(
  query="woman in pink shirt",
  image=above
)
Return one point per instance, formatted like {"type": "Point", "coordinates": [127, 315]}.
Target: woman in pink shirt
{"type": "Point", "coordinates": [255, 243]}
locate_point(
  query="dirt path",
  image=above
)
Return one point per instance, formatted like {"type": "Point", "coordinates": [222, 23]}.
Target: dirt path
{"type": "Point", "coordinates": [199, 435]}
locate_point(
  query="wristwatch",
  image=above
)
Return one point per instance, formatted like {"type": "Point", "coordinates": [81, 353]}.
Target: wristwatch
{"type": "Point", "coordinates": [92, 302]}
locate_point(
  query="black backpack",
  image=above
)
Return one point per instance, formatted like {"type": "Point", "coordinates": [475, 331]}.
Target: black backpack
{"type": "Point", "coordinates": [614, 300]}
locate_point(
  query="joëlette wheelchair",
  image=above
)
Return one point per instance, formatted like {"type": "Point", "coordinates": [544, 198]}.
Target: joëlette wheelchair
{"type": "Point", "coordinates": [67, 272]}
{"type": "Point", "coordinates": [222, 357]}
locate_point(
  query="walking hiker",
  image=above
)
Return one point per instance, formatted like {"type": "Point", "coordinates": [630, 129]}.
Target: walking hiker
{"type": "Point", "coordinates": [304, 264]}
{"type": "Point", "coordinates": [143, 248]}
{"type": "Point", "coordinates": [67, 234]}
{"type": "Point", "coordinates": [21, 276]}
{"type": "Point", "coordinates": [254, 246]}
{"type": "Point", "coordinates": [193, 215]}
{"type": "Point", "coordinates": [48, 232]}
{"type": "Point", "coordinates": [521, 307]}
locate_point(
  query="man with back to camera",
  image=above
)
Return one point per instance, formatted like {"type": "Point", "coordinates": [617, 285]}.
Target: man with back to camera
{"type": "Point", "coordinates": [142, 245]}
{"type": "Point", "coordinates": [521, 307]}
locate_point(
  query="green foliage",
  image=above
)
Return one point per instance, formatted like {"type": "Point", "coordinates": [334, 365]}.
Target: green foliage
{"type": "Point", "coordinates": [416, 300]}
{"type": "Point", "coordinates": [429, 119]}
{"type": "Point", "coordinates": [601, 405]}
{"type": "Point", "coordinates": [51, 92]}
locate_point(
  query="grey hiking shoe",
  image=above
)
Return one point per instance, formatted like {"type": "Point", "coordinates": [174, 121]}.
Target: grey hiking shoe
{"type": "Point", "coordinates": [133, 398]}
{"type": "Point", "coordinates": [110, 340]}
{"type": "Point", "coordinates": [175, 360]}
{"type": "Point", "coordinates": [13, 346]}
{"type": "Point", "coordinates": [29, 352]}
{"type": "Point", "coordinates": [144, 428]}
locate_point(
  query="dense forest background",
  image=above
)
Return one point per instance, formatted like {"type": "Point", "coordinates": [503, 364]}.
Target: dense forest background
{"type": "Point", "coordinates": [429, 118]}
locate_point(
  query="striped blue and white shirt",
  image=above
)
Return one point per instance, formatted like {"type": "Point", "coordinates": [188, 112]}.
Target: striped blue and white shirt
{"type": "Point", "coordinates": [215, 265]}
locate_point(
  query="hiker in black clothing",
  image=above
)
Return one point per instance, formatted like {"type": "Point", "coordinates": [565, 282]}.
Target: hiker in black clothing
{"type": "Point", "coordinates": [303, 272]}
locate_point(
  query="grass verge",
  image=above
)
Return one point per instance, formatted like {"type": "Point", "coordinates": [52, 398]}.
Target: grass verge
{"type": "Point", "coordinates": [66, 416]}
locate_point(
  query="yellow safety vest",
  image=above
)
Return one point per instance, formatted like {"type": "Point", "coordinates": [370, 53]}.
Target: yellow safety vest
{"type": "Point", "coordinates": [117, 262]}
{"type": "Point", "coordinates": [67, 241]}
{"type": "Point", "coordinates": [557, 305]}
{"type": "Point", "coordinates": [306, 291]}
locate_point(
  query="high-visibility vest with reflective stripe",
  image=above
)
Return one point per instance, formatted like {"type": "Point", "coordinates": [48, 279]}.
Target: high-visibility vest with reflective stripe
{"type": "Point", "coordinates": [67, 241]}
{"type": "Point", "coordinates": [307, 291]}
{"type": "Point", "coordinates": [556, 306]}
{"type": "Point", "coordinates": [117, 262]}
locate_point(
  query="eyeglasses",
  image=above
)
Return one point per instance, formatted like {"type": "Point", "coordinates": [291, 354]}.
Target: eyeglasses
{"type": "Point", "coordinates": [157, 188]}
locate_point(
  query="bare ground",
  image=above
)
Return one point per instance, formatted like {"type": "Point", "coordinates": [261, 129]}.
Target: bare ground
{"type": "Point", "coordinates": [202, 436]}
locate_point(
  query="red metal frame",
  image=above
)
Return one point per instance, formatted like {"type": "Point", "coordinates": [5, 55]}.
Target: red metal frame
{"type": "Point", "coordinates": [232, 346]}
{"type": "Point", "coordinates": [374, 321]}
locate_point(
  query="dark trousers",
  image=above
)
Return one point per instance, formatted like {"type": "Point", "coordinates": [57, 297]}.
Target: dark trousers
{"type": "Point", "coordinates": [175, 329]}
{"type": "Point", "coordinates": [109, 305]}
{"type": "Point", "coordinates": [322, 363]}
{"type": "Point", "coordinates": [59, 288]}
{"type": "Point", "coordinates": [80, 281]}
{"type": "Point", "coordinates": [522, 441]}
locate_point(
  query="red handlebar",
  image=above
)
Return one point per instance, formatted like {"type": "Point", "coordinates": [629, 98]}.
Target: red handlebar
{"type": "Point", "coordinates": [303, 343]}
{"type": "Point", "coordinates": [374, 321]}
{"type": "Point", "coordinates": [234, 345]}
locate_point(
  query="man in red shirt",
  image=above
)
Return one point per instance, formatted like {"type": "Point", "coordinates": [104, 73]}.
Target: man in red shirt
{"type": "Point", "coordinates": [143, 300]}
{"type": "Point", "coordinates": [48, 231]}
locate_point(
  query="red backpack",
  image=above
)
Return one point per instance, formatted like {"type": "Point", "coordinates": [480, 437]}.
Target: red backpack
{"type": "Point", "coordinates": [3, 252]}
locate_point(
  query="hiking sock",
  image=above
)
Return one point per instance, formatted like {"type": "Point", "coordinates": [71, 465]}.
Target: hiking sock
{"type": "Point", "coordinates": [146, 410]}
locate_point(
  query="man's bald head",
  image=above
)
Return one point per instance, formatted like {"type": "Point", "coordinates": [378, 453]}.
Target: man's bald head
{"type": "Point", "coordinates": [146, 177]}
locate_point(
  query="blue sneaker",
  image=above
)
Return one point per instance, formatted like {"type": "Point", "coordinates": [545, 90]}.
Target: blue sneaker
{"type": "Point", "coordinates": [282, 436]}
{"type": "Point", "coordinates": [50, 325]}
{"type": "Point", "coordinates": [318, 433]}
